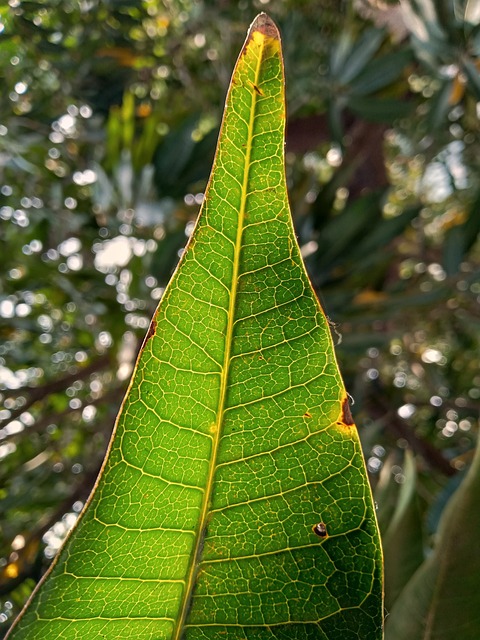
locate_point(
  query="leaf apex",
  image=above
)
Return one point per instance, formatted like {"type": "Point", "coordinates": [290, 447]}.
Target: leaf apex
{"type": "Point", "coordinates": [265, 25]}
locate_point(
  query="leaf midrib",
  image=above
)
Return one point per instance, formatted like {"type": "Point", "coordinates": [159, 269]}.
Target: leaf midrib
{"type": "Point", "coordinates": [224, 377]}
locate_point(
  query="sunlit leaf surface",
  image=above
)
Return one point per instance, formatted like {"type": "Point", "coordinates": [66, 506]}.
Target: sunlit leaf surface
{"type": "Point", "coordinates": [233, 501]}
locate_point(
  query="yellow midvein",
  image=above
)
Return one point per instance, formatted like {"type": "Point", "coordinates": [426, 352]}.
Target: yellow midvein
{"type": "Point", "coordinates": [227, 356]}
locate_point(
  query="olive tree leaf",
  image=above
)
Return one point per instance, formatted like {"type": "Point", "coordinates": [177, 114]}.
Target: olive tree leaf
{"type": "Point", "coordinates": [403, 541]}
{"type": "Point", "coordinates": [233, 501]}
{"type": "Point", "coordinates": [442, 600]}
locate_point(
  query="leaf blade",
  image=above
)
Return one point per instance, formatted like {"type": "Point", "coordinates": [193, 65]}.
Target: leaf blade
{"type": "Point", "coordinates": [202, 517]}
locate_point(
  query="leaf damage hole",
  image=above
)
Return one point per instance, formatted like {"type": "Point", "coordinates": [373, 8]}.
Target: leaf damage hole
{"type": "Point", "coordinates": [320, 529]}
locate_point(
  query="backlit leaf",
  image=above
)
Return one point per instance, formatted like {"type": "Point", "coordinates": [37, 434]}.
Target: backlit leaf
{"type": "Point", "coordinates": [233, 502]}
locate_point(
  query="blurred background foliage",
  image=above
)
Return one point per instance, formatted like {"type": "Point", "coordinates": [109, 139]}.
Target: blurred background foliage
{"type": "Point", "coordinates": [108, 121]}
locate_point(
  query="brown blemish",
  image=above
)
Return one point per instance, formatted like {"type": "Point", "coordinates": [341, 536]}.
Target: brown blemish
{"type": "Point", "coordinates": [151, 332]}
{"type": "Point", "coordinates": [264, 25]}
{"type": "Point", "coordinates": [346, 413]}
{"type": "Point", "coordinates": [307, 415]}
{"type": "Point", "coordinates": [257, 89]}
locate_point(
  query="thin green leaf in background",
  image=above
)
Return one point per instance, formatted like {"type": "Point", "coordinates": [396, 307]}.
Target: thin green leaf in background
{"type": "Point", "coordinates": [234, 501]}
{"type": "Point", "coordinates": [380, 73]}
{"type": "Point", "coordinates": [403, 541]}
{"type": "Point", "coordinates": [427, 608]}
{"type": "Point", "coordinates": [360, 55]}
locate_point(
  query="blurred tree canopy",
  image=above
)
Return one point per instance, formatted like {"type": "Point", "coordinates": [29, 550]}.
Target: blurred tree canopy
{"type": "Point", "coordinates": [108, 124]}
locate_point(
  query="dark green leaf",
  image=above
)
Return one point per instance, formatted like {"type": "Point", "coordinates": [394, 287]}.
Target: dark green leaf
{"type": "Point", "coordinates": [382, 72]}
{"type": "Point", "coordinates": [380, 110]}
{"type": "Point", "coordinates": [448, 579]}
{"type": "Point", "coordinates": [360, 55]}
{"type": "Point", "coordinates": [403, 540]}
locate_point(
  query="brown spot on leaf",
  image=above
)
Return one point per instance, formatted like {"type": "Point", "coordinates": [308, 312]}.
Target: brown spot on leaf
{"type": "Point", "coordinates": [346, 414]}
{"type": "Point", "coordinates": [151, 332]}
{"type": "Point", "coordinates": [307, 415]}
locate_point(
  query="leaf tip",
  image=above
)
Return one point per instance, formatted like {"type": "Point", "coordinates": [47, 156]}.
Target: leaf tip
{"type": "Point", "coordinates": [264, 25]}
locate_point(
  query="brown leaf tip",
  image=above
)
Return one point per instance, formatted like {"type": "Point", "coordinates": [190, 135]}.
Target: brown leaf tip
{"type": "Point", "coordinates": [264, 24]}
{"type": "Point", "coordinates": [346, 413]}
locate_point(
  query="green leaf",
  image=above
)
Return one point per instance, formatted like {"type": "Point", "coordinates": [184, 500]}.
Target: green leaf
{"type": "Point", "coordinates": [369, 246]}
{"type": "Point", "coordinates": [340, 53]}
{"type": "Point", "coordinates": [453, 249]}
{"type": "Point", "coordinates": [403, 541]}
{"type": "Point", "coordinates": [180, 160]}
{"type": "Point", "coordinates": [334, 118]}
{"type": "Point", "coordinates": [128, 119]}
{"type": "Point", "coordinates": [366, 47]}
{"type": "Point", "coordinates": [439, 106]}
{"type": "Point", "coordinates": [380, 110]}
{"type": "Point", "coordinates": [473, 76]}
{"type": "Point", "coordinates": [461, 237]}
{"type": "Point", "coordinates": [386, 495]}
{"type": "Point", "coordinates": [382, 72]}
{"type": "Point", "coordinates": [172, 157]}
{"type": "Point", "coordinates": [471, 227]}
{"type": "Point", "coordinates": [235, 441]}
{"type": "Point", "coordinates": [345, 230]}
{"type": "Point", "coordinates": [441, 600]}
